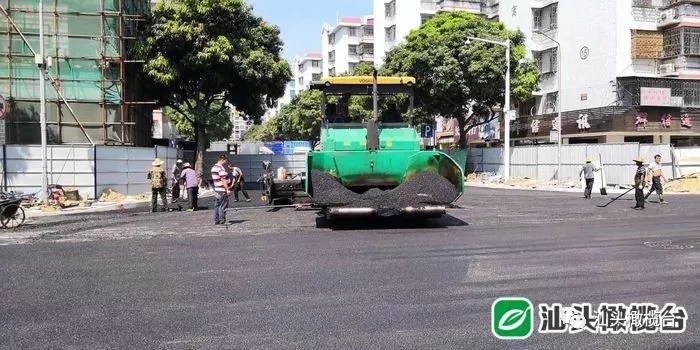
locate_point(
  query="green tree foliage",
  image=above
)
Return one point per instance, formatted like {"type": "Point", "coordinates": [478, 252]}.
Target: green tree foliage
{"type": "Point", "coordinates": [451, 74]}
{"type": "Point", "coordinates": [200, 53]}
{"type": "Point", "coordinates": [302, 119]}
{"type": "Point", "coordinates": [217, 126]}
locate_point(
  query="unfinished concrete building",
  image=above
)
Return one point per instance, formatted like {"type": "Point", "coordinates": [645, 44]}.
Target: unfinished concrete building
{"type": "Point", "coordinates": [92, 89]}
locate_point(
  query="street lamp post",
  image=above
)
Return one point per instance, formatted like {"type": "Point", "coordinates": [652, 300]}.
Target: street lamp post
{"type": "Point", "coordinates": [506, 107]}
{"type": "Point", "coordinates": [41, 62]}
{"type": "Point", "coordinates": [559, 97]}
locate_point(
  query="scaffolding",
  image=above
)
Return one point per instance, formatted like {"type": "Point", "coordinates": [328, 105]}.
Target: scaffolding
{"type": "Point", "coordinates": [93, 95]}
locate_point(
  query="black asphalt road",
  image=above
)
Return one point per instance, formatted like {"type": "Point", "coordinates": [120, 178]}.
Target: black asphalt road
{"type": "Point", "coordinates": [134, 280]}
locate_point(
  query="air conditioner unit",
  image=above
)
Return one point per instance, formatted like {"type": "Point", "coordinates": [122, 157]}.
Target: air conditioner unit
{"type": "Point", "coordinates": [667, 68]}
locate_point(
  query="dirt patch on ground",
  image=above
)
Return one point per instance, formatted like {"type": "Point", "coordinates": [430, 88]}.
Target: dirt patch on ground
{"type": "Point", "coordinates": [687, 184]}
{"type": "Point", "coordinates": [110, 195]}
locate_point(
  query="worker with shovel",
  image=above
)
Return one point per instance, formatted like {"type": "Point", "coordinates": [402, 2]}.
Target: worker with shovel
{"type": "Point", "coordinates": [654, 181]}
{"type": "Point", "coordinates": [588, 170]}
{"type": "Point", "coordinates": [639, 181]}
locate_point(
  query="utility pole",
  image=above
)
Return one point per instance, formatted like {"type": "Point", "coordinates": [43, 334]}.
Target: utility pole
{"type": "Point", "coordinates": [506, 107]}
{"type": "Point", "coordinates": [41, 63]}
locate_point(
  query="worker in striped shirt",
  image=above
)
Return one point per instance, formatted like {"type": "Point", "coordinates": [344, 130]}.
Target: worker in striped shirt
{"type": "Point", "coordinates": [219, 176]}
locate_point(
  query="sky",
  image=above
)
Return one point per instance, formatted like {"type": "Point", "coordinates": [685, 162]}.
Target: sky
{"type": "Point", "coordinates": [300, 22]}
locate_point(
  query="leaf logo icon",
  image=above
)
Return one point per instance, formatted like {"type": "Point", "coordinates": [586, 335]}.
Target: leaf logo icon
{"type": "Point", "coordinates": [512, 319]}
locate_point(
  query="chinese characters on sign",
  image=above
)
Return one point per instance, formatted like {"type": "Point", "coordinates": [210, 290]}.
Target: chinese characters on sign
{"type": "Point", "coordinates": [655, 97]}
{"type": "Point", "coordinates": [641, 120]}
{"type": "Point", "coordinates": [535, 126]}
{"type": "Point", "coordinates": [555, 124]}
{"type": "Point", "coordinates": [685, 121]}
{"type": "Point", "coordinates": [666, 120]}
{"type": "Point", "coordinates": [636, 318]}
{"type": "Point", "coordinates": [582, 122]}
{"type": "Point", "coordinates": [514, 318]}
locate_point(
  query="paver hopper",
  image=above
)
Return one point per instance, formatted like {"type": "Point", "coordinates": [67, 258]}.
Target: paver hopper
{"type": "Point", "coordinates": [375, 154]}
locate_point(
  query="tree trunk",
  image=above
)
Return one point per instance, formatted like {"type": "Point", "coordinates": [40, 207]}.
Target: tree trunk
{"type": "Point", "coordinates": [201, 145]}
{"type": "Point", "coordinates": [461, 122]}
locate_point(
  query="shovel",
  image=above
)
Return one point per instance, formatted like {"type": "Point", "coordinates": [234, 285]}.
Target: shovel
{"type": "Point", "coordinates": [603, 190]}
{"type": "Point", "coordinates": [616, 198]}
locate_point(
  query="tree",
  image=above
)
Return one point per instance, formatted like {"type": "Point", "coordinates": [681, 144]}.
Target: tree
{"type": "Point", "coordinates": [301, 119]}
{"type": "Point", "coordinates": [455, 78]}
{"type": "Point", "coordinates": [217, 126]}
{"type": "Point", "coordinates": [200, 53]}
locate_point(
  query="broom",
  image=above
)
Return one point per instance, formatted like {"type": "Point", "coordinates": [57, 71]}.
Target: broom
{"type": "Point", "coordinates": [603, 190]}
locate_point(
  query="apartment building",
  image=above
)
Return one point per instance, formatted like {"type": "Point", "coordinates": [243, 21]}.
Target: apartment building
{"type": "Point", "coordinates": [394, 19]}
{"type": "Point", "coordinates": [346, 44]}
{"type": "Point", "coordinates": [629, 70]}
{"type": "Point", "coordinates": [307, 69]}
{"type": "Point", "coordinates": [289, 93]}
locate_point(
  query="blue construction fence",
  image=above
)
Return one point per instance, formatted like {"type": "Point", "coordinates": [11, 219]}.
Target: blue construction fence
{"type": "Point", "coordinates": [286, 147]}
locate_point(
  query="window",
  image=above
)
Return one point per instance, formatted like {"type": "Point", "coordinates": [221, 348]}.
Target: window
{"type": "Point", "coordinates": [351, 67]}
{"type": "Point", "coordinates": [547, 60]}
{"type": "Point", "coordinates": [316, 76]}
{"type": "Point", "coordinates": [292, 93]}
{"type": "Point", "coordinates": [691, 41]}
{"type": "Point", "coordinates": [390, 33]}
{"type": "Point", "coordinates": [536, 19]}
{"type": "Point", "coordinates": [301, 81]}
{"type": "Point", "coordinates": [331, 39]}
{"type": "Point", "coordinates": [550, 105]}
{"type": "Point", "coordinates": [315, 64]}
{"type": "Point", "coordinates": [331, 71]}
{"type": "Point", "coordinates": [553, 17]}
{"type": "Point", "coordinates": [352, 32]}
{"type": "Point", "coordinates": [352, 50]}
{"type": "Point", "coordinates": [331, 56]}
{"type": "Point", "coordinates": [390, 9]}
{"type": "Point", "coordinates": [301, 67]}
{"type": "Point", "coordinates": [368, 32]}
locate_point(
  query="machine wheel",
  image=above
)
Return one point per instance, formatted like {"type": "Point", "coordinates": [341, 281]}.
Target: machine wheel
{"type": "Point", "coordinates": [15, 220]}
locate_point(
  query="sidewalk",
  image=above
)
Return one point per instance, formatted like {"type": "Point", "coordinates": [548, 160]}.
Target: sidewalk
{"type": "Point", "coordinates": [97, 207]}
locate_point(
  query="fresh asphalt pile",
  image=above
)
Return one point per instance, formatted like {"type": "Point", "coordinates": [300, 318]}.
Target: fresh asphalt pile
{"type": "Point", "coordinates": [426, 188]}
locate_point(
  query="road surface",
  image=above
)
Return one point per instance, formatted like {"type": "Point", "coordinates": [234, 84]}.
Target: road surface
{"type": "Point", "coordinates": [133, 279]}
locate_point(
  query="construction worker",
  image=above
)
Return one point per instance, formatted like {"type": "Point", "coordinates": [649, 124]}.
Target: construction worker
{"type": "Point", "coordinates": [639, 181]}
{"type": "Point", "coordinates": [238, 183]}
{"type": "Point", "coordinates": [222, 191]}
{"type": "Point", "coordinates": [654, 181]}
{"type": "Point", "coordinates": [158, 185]}
{"type": "Point", "coordinates": [588, 170]}
{"type": "Point", "coordinates": [192, 185]}
{"type": "Point", "coordinates": [176, 188]}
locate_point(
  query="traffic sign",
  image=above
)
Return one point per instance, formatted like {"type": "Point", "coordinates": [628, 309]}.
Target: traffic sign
{"type": "Point", "coordinates": [427, 131]}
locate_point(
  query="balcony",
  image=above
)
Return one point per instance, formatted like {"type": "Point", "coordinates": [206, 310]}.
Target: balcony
{"type": "Point", "coordinates": [367, 56]}
{"type": "Point", "coordinates": [670, 3]}
{"type": "Point", "coordinates": [538, 4]}
{"type": "Point", "coordinates": [490, 8]}
{"type": "Point", "coordinates": [367, 39]}
{"type": "Point", "coordinates": [389, 21]}
{"type": "Point", "coordinates": [464, 5]}
{"type": "Point", "coordinates": [542, 43]}
{"type": "Point", "coordinates": [646, 44]}
{"type": "Point", "coordinates": [682, 14]}
{"type": "Point", "coordinates": [428, 6]}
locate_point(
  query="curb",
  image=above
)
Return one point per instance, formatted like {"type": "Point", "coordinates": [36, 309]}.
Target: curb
{"type": "Point", "coordinates": [98, 207]}
{"type": "Point", "coordinates": [611, 190]}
